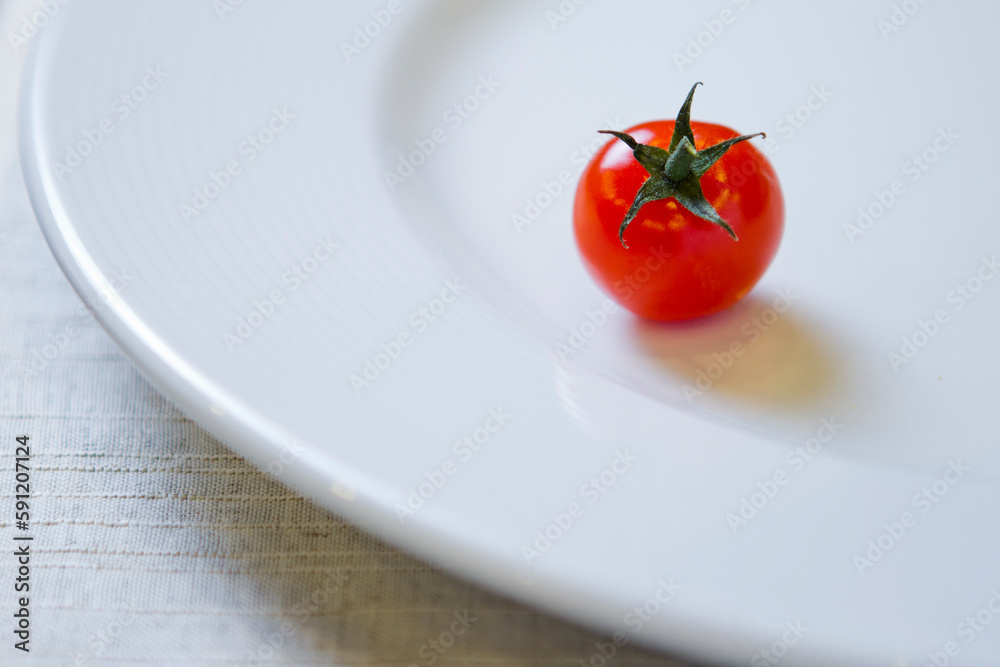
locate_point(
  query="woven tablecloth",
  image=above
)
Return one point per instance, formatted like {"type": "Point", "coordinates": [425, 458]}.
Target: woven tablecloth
{"type": "Point", "coordinates": [154, 544]}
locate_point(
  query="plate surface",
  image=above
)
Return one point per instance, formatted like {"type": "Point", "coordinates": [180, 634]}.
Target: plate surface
{"type": "Point", "coordinates": [338, 236]}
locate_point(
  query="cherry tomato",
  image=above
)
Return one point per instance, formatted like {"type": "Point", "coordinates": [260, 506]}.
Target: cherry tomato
{"type": "Point", "coordinates": [678, 219]}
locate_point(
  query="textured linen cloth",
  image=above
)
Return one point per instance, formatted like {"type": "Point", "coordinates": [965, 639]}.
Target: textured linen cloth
{"type": "Point", "coordinates": [156, 545]}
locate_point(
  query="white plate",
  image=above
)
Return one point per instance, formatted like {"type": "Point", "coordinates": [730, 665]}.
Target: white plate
{"type": "Point", "coordinates": [164, 97]}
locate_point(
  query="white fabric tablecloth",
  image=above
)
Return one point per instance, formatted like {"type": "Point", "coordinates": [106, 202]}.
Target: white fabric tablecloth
{"type": "Point", "coordinates": [155, 545]}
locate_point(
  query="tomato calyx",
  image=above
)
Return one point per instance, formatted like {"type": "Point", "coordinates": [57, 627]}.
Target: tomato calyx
{"type": "Point", "coordinates": [676, 172]}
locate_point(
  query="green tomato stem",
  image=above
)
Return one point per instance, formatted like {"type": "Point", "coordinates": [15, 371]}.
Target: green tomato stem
{"type": "Point", "coordinates": [676, 172]}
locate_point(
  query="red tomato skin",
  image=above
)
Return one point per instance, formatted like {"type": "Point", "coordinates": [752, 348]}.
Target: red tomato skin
{"type": "Point", "coordinates": [678, 266]}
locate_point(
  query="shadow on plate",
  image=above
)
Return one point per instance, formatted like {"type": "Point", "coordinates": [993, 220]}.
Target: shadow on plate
{"type": "Point", "coordinates": [760, 352]}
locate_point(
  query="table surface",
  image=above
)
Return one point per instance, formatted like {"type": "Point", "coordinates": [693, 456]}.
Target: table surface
{"type": "Point", "coordinates": [154, 544]}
